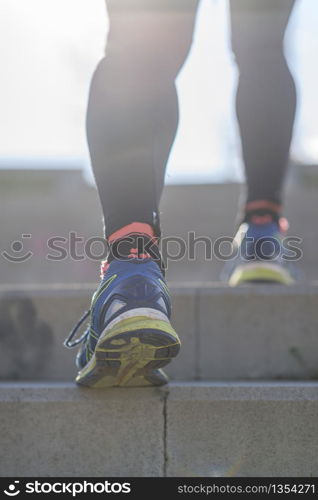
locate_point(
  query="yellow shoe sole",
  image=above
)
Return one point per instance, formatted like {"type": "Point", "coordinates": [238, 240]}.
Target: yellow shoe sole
{"type": "Point", "coordinates": [260, 273]}
{"type": "Point", "coordinates": [131, 354]}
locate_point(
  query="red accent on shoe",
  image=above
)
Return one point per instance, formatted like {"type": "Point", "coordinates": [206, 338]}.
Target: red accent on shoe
{"type": "Point", "coordinates": [134, 227]}
{"type": "Point", "coordinates": [103, 268]}
{"type": "Point", "coordinates": [267, 219]}
{"type": "Point", "coordinates": [134, 254]}
{"type": "Point", "coordinates": [283, 225]}
{"type": "Point", "coordinates": [261, 219]}
{"type": "Point", "coordinates": [145, 256]}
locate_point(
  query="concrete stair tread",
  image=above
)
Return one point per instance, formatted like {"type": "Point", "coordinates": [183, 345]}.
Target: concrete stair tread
{"type": "Point", "coordinates": [187, 390]}
{"type": "Point", "coordinates": [183, 391]}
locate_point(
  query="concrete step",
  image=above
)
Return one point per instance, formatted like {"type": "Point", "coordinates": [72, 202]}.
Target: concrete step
{"type": "Point", "coordinates": [206, 210]}
{"type": "Point", "coordinates": [185, 429]}
{"type": "Point", "coordinates": [247, 333]}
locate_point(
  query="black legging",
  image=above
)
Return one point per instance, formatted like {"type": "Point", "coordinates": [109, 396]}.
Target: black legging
{"type": "Point", "coordinates": [132, 113]}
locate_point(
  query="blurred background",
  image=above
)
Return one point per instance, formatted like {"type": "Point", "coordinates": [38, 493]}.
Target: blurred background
{"type": "Point", "coordinates": [48, 51]}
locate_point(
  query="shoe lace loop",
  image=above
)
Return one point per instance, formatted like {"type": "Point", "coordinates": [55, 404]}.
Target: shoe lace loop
{"type": "Point", "coordinates": [69, 342]}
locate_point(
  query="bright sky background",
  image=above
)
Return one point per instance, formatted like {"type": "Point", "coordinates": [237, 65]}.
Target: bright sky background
{"type": "Point", "coordinates": [49, 48]}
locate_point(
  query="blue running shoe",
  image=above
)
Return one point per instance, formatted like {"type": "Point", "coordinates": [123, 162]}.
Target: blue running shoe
{"type": "Point", "coordinates": [129, 336]}
{"type": "Point", "coordinates": [260, 256]}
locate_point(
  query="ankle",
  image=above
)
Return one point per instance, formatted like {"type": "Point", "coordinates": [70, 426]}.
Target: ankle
{"type": "Point", "coordinates": [132, 228]}
{"type": "Point", "coordinates": [134, 241]}
{"type": "Point", "coordinates": [262, 212]}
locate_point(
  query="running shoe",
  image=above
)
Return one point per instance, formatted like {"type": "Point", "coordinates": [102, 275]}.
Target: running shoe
{"type": "Point", "coordinates": [261, 256]}
{"type": "Point", "coordinates": [129, 337]}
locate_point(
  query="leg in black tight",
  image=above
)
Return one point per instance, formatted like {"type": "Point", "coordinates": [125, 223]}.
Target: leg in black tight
{"type": "Point", "coordinates": [266, 97]}
{"type": "Point", "coordinates": [133, 110]}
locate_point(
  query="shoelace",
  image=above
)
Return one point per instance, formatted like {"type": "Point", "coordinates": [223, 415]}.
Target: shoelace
{"type": "Point", "coordinates": [68, 341]}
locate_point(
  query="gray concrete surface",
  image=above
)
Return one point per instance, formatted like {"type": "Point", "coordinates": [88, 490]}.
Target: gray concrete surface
{"type": "Point", "coordinates": [184, 429]}
{"type": "Point", "coordinates": [260, 332]}
{"type": "Point", "coordinates": [242, 430]}
{"type": "Point", "coordinates": [35, 321]}
{"type": "Point", "coordinates": [65, 431]}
